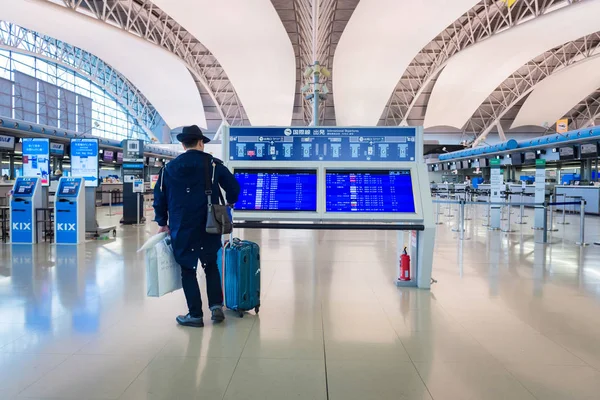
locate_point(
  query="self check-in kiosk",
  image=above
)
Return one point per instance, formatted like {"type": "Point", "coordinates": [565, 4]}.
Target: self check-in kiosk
{"type": "Point", "coordinates": [26, 198]}
{"type": "Point", "coordinates": [69, 211]}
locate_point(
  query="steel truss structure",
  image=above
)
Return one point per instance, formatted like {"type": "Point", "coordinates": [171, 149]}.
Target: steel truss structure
{"type": "Point", "coordinates": [586, 113]}
{"type": "Point", "coordinates": [144, 19]}
{"type": "Point", "coordinates": [510, 94]}
{"type": "Point", "coordinates": [297, 17]}
{"type": "Point", "coordinates": [26, 41]}
{"type": "Point", "coordinates": [408, 102]}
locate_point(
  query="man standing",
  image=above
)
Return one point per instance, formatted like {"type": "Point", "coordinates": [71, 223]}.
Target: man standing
{"type": "Point", "coordinates": [180, 207]}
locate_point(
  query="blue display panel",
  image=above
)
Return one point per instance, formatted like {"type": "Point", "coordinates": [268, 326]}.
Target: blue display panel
{"type": "Point", "coordinates": [68, 188]}
{"type": "Point", "coordinates": [24, 187]}
{"type": "Point", "coordinates": [391, 144]}
{"type": "Point", "coordinates": [369, 191]}
{"type": "Point", "coordinates": [277, 190]}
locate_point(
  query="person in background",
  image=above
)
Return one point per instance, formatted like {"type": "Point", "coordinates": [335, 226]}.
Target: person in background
{"type": "Point", "coordinates": [5, 178]}
{"type": "Point", "coordinates": [180, 207]}
{"type": "Point", "coordinates": [468, 181]}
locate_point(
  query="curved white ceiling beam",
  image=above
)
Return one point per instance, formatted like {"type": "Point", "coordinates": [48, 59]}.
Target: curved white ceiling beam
{"type": "Point", "coordinates": [474, 73]}
{"type": "Point", "coordinates": [251, 43]}
{"type": "Point", "coordinates": [555, 96]}
{"type": "Point", "coordinates": [160, 75]}
{"type": "Point", "coordinates": [379, 42]}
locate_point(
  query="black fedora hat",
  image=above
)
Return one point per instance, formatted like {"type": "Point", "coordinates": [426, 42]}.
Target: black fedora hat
{"type": "Point", "coordinates": [191, 133]}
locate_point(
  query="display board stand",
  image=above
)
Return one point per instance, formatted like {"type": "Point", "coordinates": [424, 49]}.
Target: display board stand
{"type": "Point", "coordinates": [342, 176]}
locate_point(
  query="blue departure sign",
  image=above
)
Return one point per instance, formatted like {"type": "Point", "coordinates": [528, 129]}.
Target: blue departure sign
{"type": "Point", "coordinates": [84, 160]}
{"type": "Point", "coordinates": [391, 144]}
{"type": "Point", "coordinates": [277, 190]}
{"type": "Point", "coordinates": [369, 191]}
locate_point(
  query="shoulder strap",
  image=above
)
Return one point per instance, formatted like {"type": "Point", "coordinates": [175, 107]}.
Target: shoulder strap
{"type": "Point", "coordinates": [207, 181]}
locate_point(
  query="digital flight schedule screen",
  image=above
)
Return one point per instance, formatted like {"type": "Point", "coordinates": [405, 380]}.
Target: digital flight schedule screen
{"type": "Point", "coordinates": [369, 191]}
{"type": "Point", "coordinates": [277, 190]}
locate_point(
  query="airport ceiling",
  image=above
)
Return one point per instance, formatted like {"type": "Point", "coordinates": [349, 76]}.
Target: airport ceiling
{"type": "Point", "coordinates": [461, 66]}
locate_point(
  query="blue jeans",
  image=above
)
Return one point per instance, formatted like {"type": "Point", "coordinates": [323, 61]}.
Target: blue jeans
{"type": "Point", "coordinates": [213, 285]}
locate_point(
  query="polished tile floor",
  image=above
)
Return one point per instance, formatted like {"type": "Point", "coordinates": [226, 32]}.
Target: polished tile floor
{"type": "Point", "coordinates": [508, 319]}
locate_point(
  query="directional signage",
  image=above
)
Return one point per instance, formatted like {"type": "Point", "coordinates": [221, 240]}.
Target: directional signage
{"type": "Point", "coordinates": [84, 160]}
{"type": "Point", "coordinates": [390, 144]}
{"type": "Point", "coordinates": [36, 159]}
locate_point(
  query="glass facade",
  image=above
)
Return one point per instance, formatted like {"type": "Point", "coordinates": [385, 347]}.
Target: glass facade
{"type": "Point", "coordinates": [110, 119]}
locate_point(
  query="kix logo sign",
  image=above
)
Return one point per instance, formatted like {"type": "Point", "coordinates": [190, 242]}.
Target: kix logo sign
{"type": "Point", "coordinates": [65, 227]}
{"type": "Point", "coordinates": [21, 226]}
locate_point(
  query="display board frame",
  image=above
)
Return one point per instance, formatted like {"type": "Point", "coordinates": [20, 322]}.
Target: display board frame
{"type": "Point", "coordinates": [42, 149]}
{"type": "Point", "coordinates": [418, 171]}
{"type": "Point", "coordinates": [90, 180]}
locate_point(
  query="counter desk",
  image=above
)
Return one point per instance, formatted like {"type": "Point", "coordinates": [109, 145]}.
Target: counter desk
{"type": "Point", "coordinates": [105, 188]}
{"type": "Point", "coordinates": [591, 194]}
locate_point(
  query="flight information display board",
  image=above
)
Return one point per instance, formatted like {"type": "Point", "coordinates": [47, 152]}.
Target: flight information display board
{"type": "Point", "coordinates": [277, 189]}
{"type": "Point", "coordinates": [391, 144]}
{"type": "Point", "coordinates": [369, 191]}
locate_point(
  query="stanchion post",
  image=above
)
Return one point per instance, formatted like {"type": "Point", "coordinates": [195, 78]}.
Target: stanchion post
{"type": "Point", "coordinates": [437, 212]}
{"type": "Point", "coordinates": [545, 224]}
{"type": "Point", "coordinates": [110, 195]}
{"type": "Point", "coordinates": [138, 208]}
{"type": "Point", "coordinates": [551, 223]}
{"type": "Point", "coordinates": [564, 215]}
{"type": "Point", "coordinates": [582, 224]}
{"type": "Point", "coordinates": [522, 210]}
{"type": "Point", "coordinates": [489, 211]}
{"type": "Point", "coordinates": [462, 220]}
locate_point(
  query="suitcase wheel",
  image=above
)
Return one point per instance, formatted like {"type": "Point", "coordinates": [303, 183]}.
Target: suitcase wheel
{"type": "Point", "coordinates": [257, 309]}
{"type": "Point", "coordinates": [241, 314]}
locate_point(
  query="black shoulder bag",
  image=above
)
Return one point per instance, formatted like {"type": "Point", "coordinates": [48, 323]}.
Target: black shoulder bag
{"type": "Point", "coordinates": [218, 218]}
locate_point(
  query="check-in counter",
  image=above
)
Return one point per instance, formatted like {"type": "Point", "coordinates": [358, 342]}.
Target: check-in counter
{"type": "Point", "coordinates": [591, 194]}
{"type": "Point", "coordinates": [105, 188]}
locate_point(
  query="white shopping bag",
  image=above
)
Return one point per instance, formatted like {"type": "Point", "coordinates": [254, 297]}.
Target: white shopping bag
{"type": "Point", "coordinates": [163, 274]}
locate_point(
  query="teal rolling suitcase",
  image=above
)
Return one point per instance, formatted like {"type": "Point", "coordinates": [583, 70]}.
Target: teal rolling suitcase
{"type": "Point", "coordinates": [239, 265]}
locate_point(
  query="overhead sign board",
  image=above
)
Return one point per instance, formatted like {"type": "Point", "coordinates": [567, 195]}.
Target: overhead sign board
{"type": "Point", "coordinates": [133, 150]}
{"type": "Point", "coordinates": [384, 144]}
{"type": "Point", "coordinates": [36, 159]}
{"type": "Point", "coordinates": [57, 149]}
{"type": "Point", "coordinates": [562, 125]}
{"type": "Point", "coordinates": [84, 160]}
{"type": "Point", "coordinates": [7, 142]}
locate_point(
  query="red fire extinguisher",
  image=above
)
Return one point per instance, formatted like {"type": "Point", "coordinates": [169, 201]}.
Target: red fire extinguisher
{"type": "Point", "coordinates": [404, 266]}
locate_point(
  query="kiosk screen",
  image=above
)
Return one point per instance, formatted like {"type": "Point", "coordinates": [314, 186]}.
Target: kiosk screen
{"type": "Point", "coordinates": [68, 188]}
{"type": "Point", "coordinates": [277, 189]}
{"type": "Point", "coordinates": [24, 188]}
{"type": "Point", "coordinates": [369, 191]}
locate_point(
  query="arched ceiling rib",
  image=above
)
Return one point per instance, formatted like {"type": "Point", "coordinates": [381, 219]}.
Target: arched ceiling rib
{"type": "Point", "coordinates": [144, 19]}
{"type": "Point", "coordinates": [555, 95]}
{"type": "Point", "coordinates": [488, 17]}
{"type": "Point", "coordinates": [507, 98]}
{"type": "Point", "coordinates": [377, 46]}
{"type": "Point", "coordinates": [249, 40]}
{"type": "Point", "coordinates": [474, 73]}
{"type": "Point", "coordinates": [174, 95]}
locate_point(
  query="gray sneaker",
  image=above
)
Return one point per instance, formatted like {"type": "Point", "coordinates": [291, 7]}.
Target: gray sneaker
{"type": "Point", "coordinates": [217, 315]}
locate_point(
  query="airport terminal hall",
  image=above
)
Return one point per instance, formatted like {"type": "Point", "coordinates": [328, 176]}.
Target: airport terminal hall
{"type": "Point", "coordinates": [299, 199]}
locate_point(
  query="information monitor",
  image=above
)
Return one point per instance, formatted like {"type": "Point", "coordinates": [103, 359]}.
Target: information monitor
{"type": "Point", "coordinates": [277, 189]}
{"type": "Point", "coordinates": [24, 187]}
{"type": "Point", "coordinates": [369, 191]}
{"type": "Point", "coordinates": [68, 188]}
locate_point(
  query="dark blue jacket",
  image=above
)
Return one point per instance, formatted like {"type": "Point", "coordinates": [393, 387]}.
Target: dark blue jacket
{"type": "Point", "coordinates": [180, 202]}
